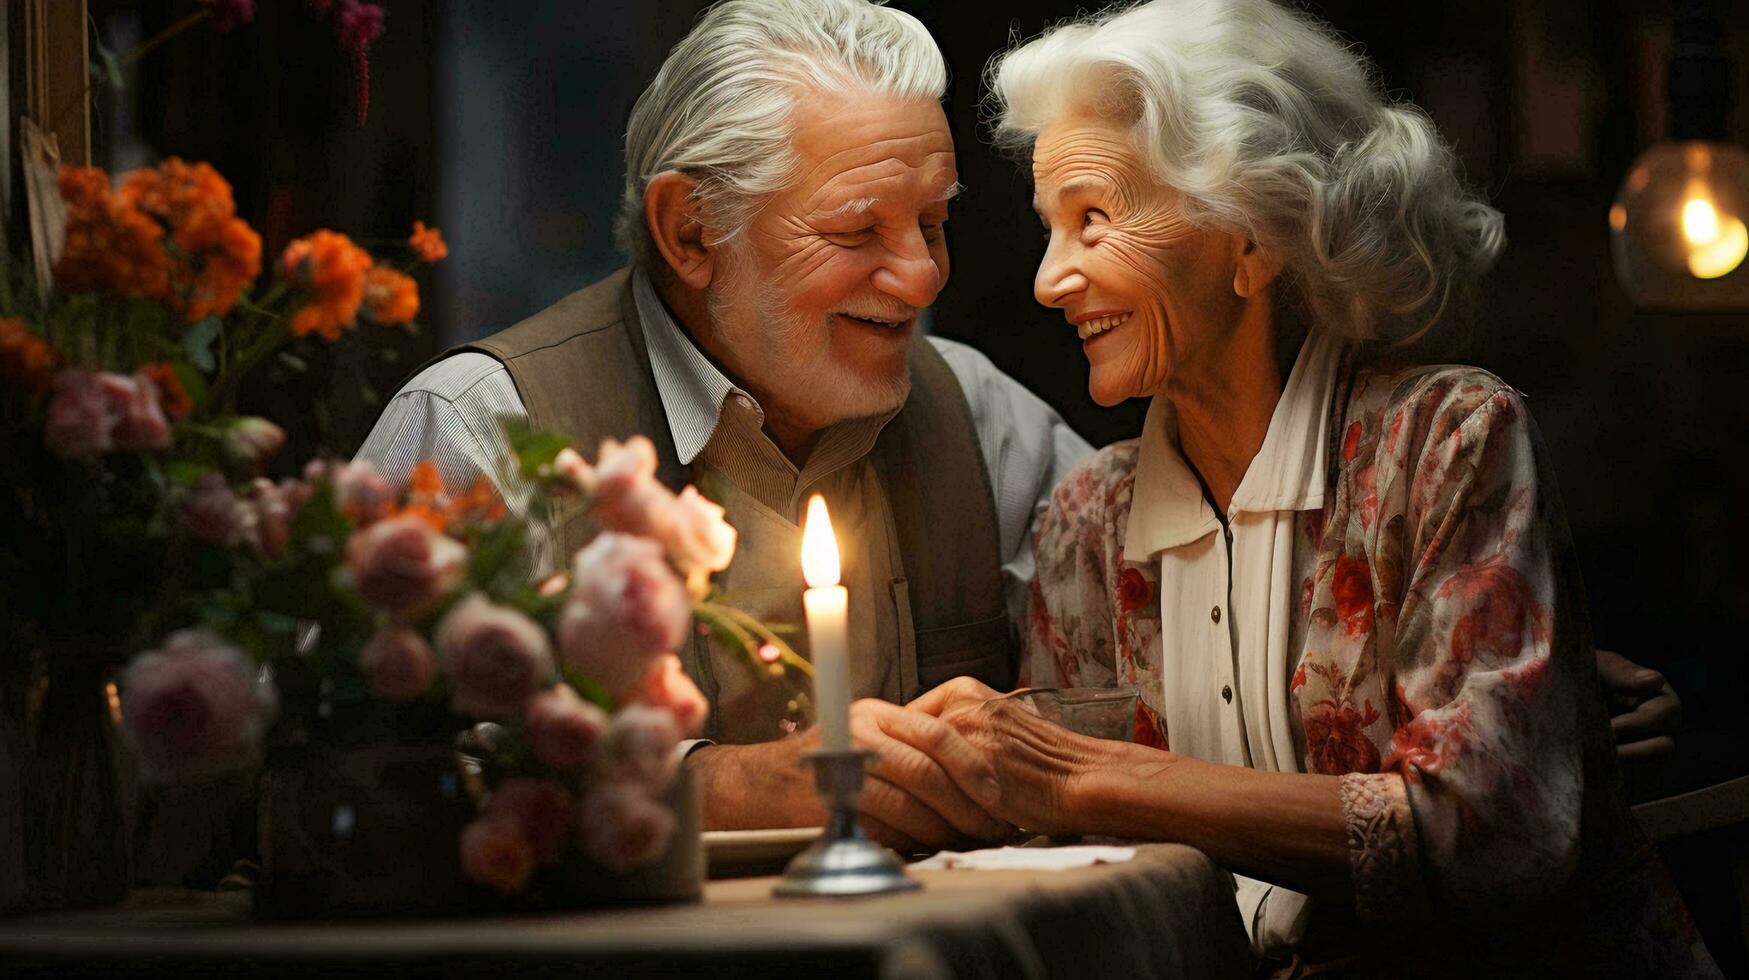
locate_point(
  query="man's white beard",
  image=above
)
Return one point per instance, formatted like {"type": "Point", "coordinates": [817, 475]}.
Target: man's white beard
{"type": "Point", "coordinates": [816, 389]}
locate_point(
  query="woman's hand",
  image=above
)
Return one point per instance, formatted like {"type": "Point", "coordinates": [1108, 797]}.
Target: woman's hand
{"type": "Point", "coordinates": [1042, 767]}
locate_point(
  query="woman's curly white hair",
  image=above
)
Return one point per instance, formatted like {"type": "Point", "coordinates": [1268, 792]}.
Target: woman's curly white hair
{"type": "Point", "coordinates": [1272, 128]}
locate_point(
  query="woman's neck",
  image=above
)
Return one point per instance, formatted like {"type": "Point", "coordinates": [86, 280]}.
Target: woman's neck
{"type": "Point", "coordinates": [1224, 409]}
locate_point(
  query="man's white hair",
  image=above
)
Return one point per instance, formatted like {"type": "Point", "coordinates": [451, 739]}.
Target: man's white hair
{"type": "Point", "coordinates": [1272, 128]}
{"type": "Point", "coordinates": [719, 108]}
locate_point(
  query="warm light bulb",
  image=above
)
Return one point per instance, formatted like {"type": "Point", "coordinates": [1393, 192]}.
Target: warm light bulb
{"type": "Point", "coordinates": [1677, 228]}
{"type": "Point", "coordinates": [1700, 221]}
{"type": "Point", "coordinates": [819, 546]}
{"type": "Point", "coordinates": [1721, 255]}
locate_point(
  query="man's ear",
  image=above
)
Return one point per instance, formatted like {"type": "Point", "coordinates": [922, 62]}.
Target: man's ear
{"type": "Point", "coordinates": [1256, 268]}
{"type": "Point", "coordinates": [677, 228]}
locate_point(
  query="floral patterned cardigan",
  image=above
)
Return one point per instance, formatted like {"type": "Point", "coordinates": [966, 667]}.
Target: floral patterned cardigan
{"type": "Point", "coordinates": [1446, 675]}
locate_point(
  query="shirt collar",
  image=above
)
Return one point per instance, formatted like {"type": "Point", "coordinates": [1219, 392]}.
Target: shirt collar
{"type": "Point", "coordinates": [1167, 508]}
{"type": "Point", "coordinates": [692, 389]}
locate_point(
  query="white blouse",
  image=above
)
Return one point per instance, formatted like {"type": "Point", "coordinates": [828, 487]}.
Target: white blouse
{"type": "Point", "coordinates": [1227, 596]}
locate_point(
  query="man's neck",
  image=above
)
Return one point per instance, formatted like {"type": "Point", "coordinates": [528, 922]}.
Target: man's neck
{"type": "Point", "coordinates": [691, 310]}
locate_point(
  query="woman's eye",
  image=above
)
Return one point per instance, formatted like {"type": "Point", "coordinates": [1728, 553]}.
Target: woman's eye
{"type": "Point", "coordinates": [932, 230]}
{"type": "Point", "coordinates": [849, 239]}
{"type": "Point", "coordinates": [1091, 216]}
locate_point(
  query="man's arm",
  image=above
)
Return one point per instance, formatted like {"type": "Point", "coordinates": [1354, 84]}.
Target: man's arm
{"type": "Point", "coordinates": [1027, 448]}
{"type": "Point", "coordinates": [449, 414]}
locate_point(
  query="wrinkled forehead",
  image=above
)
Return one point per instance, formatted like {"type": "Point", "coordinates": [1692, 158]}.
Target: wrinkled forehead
{"type": "Point", "coordinates": [1087, 151]}
{"type": "Point", "coordinates": [871, 147]}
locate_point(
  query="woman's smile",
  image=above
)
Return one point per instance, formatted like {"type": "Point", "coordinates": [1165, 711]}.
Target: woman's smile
{"type": "Point", "coordinates": [1092, 325]}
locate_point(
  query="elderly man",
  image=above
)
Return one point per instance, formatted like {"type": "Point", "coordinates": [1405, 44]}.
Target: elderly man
{"type": "Point", "coordinates": [788, 174]}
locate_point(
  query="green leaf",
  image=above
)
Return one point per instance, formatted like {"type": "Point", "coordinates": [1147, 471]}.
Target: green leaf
{"type": "Point", "coordinates": [198, 342]}
{"type": "Point", "coordinates": [494, 551]}
{"type": "Point", "coordinates": [293, 361]}
{"type": "Point", "coordinates": [588, 689]}
{"type": "Point", "coordinates": [193, 382]}
{"type": "Point", "coordinates": [321, 519]}
{"type": "Point", "coordinates": [184, 473]}
{"type": "Point", "coordinates": [538, 451]}
{"type": "Point", "coordinates": [106, 68]}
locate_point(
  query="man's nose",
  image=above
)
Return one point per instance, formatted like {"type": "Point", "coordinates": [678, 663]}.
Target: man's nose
{"type": "Point", "coordinates": [910, 274]}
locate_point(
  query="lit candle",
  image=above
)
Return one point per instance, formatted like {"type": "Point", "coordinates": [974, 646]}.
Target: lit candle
{"type": "Point", "coordinates": [827, 605]}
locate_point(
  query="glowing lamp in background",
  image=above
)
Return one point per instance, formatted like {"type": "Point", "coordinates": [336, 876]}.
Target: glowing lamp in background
{"type": "Point", "coordinates": [1677, 228]}
{"type": "Point", "coordinates": [827, 605]}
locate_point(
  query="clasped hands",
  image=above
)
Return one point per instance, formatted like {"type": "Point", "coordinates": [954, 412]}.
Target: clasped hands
{"type": "Point", "coordinates": [955, 768]}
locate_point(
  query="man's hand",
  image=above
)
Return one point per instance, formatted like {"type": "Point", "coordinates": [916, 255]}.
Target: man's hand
{"type": "Point", "coordinates": [922, 792]}
{"type": "Point", "coordinates": [1644, 710]}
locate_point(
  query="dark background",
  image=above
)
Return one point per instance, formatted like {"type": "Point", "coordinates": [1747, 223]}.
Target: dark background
{"type": "Point", "coordinates": [501, 123]}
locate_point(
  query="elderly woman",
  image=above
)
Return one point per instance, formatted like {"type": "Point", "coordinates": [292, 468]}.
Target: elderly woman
{"type": "Point", "coordinates": [1340, 583]}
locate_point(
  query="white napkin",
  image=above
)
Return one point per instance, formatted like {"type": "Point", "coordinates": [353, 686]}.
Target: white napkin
{"type": "Point", "coordinates": [1026, 858]}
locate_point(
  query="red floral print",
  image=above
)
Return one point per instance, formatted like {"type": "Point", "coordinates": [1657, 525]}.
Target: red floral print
{"type": "Point", "coordinates": [1353, 591]}
{"type": "Point", "coordinates": [1133, 590]}
{"type": "Point", "coordinates": [1501, 607]}
{"type": "Point", "coordinates": [1336, 741]}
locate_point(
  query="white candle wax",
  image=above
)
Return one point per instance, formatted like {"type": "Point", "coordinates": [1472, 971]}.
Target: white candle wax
{"type": "Point", "coordinates": [828, 612]}
{"type": "Point", "coordinates": [827, 605]}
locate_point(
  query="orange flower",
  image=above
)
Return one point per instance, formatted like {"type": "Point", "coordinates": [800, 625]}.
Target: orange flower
{"type": "Point", "coordinates": [390, 297]}
{"type": "Point", "coordinates": [428, 242]}
{"type": "Point", "coordinates": [110, 245]}
{"type": "Point", "coordinates": [26, 360]}
{"type": "Point", "coordinates": [333, 269]}
{"type": "Point", "coordinates": [426, 500]}
{"type": "Point", "coordinates": [216, 255]}
{"type": "Point", "coordinates": [481, 502]}
{"type": "Point", "coordinates": [171, 395]}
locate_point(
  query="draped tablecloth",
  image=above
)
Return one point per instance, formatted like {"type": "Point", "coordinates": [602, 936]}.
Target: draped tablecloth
{"type": "Point", "coordinates": [1169, 912]}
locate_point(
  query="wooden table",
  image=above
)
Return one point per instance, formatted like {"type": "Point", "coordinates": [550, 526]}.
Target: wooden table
{"type": "Point", "coordinates": [1167, 913]}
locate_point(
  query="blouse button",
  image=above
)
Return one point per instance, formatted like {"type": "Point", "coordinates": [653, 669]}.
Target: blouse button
{"type": "Point", "coordinates": [1227, 693]}
{"type": "Point", "coordinates": [1215, 614]}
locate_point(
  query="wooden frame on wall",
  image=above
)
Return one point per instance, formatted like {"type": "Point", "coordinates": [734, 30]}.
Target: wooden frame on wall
{"type": "Point", "coordinates": [57, 73]}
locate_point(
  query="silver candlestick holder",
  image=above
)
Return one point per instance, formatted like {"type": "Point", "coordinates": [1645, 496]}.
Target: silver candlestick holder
{"type": "Point", "coordinates": [843, 862]}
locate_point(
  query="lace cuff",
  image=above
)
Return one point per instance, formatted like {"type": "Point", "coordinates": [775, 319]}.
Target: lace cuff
{"type": "Point", "coordinates": [1383, 849]}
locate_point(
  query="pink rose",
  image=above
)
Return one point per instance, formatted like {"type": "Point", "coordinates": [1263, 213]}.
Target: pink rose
{"type": "Point", "coordinates": [698, 539]}
{"type": "Point", "coordinates": [267, 517]}
{"type": "Point", "coordinates": [397, 663]}
{"type": "Point", "coordinates": [639, 747]}
{"type": "Point", "coordinates": [628, 497]}
{"type": "Point", "coordinates": [667, 687]}
{"type": "Point", "coordinates": [250, 443]}
{"type": "Point", "coordinates": [195, 707]}
{"type": "Point", "coordinates": [570, 466]}
{"type": "Point", "coordinates": [360, 492]}
{"type": "Point", "coordinates": [212, 513]}
{"type": "Point", "coordinates": [94, 412]}
{"type": "Point", "coordinates": [562, 728]}
{"type": "Point", "coordinates": [494, 655]}
{"type": "Point", "coordinates": [622, 827]}
{"type": "Point", "coordinates": [626, 606]}
{"type": "Point", "coordinates": [497, 854]}
{"type": "Point", "coordinates": [542, 808]}
{"type": "Point", "coordinates": [402, 565]}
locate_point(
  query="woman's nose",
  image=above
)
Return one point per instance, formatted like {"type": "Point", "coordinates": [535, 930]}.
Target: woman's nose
{"type": "Point", "coordinates": [1058, 279]}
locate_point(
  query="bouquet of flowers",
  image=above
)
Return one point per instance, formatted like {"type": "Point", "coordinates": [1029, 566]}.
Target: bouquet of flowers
{"type": "Point", "coordinates": [118, 395]}
{"type": "Point", "coordinates": [429, 626]}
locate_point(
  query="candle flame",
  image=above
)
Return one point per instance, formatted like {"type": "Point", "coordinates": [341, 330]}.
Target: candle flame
{"type": "Point", "coordinates": [819, 546]}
